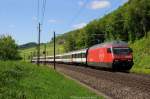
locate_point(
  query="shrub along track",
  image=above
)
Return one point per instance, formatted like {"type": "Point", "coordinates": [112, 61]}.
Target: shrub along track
{"type": "Point", "coordinates": [117, 85]}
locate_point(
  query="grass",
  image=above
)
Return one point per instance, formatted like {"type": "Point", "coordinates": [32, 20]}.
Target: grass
{"type": "Point", "coordinates": [49, 50]}
{"type": "Point", "coordinates": [141, 53]}
{"type": "Point", "coordinates": [20, 80]}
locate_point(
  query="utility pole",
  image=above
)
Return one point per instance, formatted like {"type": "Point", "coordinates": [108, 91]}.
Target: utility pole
{"type": "Point", "coordinates": [54, 51]}
{"type": "Point", "coordinates": [38, 48]}
{"type": "Point", "coordinates": [45, 54]}
{"type": "Point", "coordinates": [31, 57]}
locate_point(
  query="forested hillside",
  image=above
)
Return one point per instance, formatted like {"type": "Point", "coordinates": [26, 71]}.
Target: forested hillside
{"type": "Point", "coordinates": [28, 45]}
{"type": "Point", "coordinates": [129, 22]}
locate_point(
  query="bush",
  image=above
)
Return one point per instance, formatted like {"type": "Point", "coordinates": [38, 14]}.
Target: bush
{"type": "Point", "coordinates": [8, 48]}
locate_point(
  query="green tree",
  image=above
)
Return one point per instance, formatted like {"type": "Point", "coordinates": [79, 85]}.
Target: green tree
{"type": "Point", "coordinates": [129, 22]}
{"type": "Point", "coordinates": [69, 44]}
{"type": "Point", "coordinates": [8, 48]}
{"type": "Point", "coordinates": [94, 32]}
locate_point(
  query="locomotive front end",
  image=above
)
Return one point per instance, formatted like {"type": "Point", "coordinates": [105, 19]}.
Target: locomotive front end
{"type": "Point", "coordinates": [122, 58]}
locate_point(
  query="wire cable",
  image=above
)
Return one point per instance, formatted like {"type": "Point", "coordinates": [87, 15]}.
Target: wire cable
{"type": "Point", "coordinates": [78, 13]}
{"type": "Point", "coordinates": [43, 11]}
{"type": "Point", "coordinates": [38, 10]}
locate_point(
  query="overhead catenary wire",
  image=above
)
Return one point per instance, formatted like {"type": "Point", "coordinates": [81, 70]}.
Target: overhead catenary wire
{"type": "Point", "coordinates": [38, 10]}
{"type": "Point", "coordinates": [43, 11]}
{"type": "Point", "coordinates": [41, 7]}
{"type": "Point", "coordinates": [76, 16]}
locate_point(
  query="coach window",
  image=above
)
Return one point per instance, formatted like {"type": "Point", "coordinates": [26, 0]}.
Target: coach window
{"type": "Point", "coordinates": [72, 55]}
{"type": "Point", "coordinates": [83, 55]}
{"type": "Point", "coordinates": [75, 55]}
{"type": "Point", "coordinates": [78, 55]}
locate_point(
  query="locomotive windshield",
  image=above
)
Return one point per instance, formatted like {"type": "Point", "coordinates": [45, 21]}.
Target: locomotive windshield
{"type": "Point", "coordinates": [122, 51]}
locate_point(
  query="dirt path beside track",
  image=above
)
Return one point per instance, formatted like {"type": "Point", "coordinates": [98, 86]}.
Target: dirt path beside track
{"type": "Point", "coordinates": [117, 85]}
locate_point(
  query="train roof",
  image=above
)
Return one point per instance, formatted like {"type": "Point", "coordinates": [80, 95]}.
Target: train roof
{"type": "Point", "coordinates": [111, 44]}
{"type": "Point", "coordinates": [64, 54]}
{"type": "Point", "coordinates": [75, 52]}
{"type": "Point", "coordinates": [70, 53]}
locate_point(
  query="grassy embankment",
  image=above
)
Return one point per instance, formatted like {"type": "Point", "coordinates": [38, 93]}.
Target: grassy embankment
{"type": "Point", "coordinates": [49, 50]}
{"type": "Point", "coordinates": [141, 52]}
{"type": "Point", "coordinates": [19, 80]}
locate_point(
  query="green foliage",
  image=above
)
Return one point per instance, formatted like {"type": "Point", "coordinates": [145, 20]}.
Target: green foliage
{"type": "Point", "coordinates": [19, 80]}
{"type": "Point", "coordinates": [141, 53]}
{"type": "Point", "coordinates": [8, 48]}
{"type": "Point", "coordinates": [128, 23]}
{"type": "Point", "coordinates": [70, 43]}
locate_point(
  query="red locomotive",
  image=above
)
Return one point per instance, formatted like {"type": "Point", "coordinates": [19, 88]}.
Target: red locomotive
{"type": "Point", "coordinates": [115, 55]}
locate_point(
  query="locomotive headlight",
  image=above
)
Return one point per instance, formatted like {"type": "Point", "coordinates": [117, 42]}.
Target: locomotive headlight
{"type": "Point", "coordinates": [116, 60]}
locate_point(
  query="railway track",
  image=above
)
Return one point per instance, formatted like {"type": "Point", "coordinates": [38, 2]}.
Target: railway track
{"type": "Point", "coordinates": [117, 85]}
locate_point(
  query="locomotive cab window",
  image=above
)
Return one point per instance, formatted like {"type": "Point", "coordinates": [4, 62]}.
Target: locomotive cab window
{"type": "Point", "coordinates": [122, 51]}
